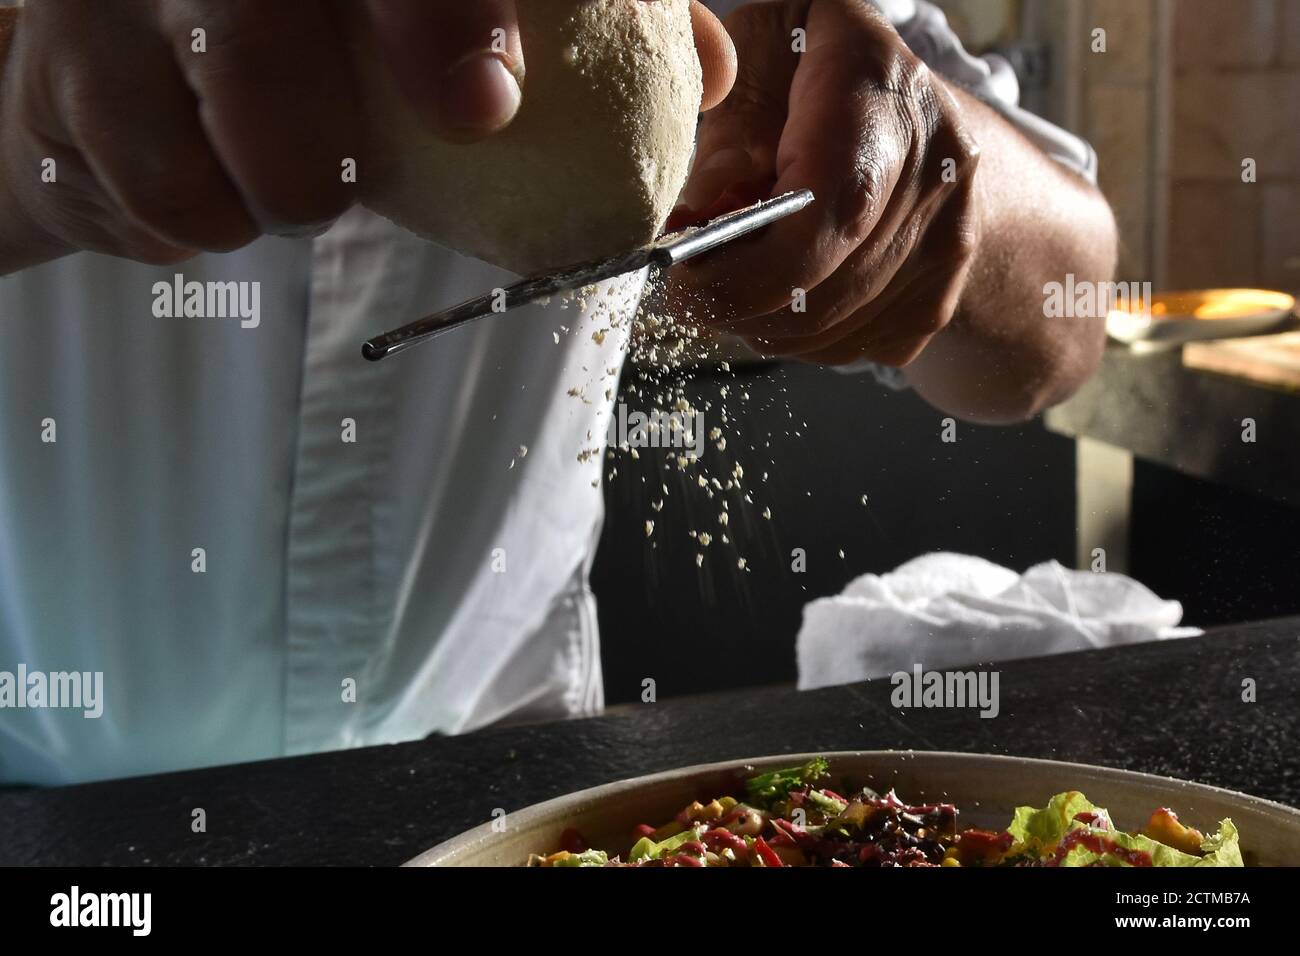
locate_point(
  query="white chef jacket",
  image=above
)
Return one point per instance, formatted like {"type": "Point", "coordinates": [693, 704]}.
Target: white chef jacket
{"type": "Point", "coordinates": [249, 581]}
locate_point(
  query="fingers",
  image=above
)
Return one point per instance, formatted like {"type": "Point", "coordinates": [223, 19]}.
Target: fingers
{"type": "Point", "coordinates": [831, 135]}
{"type": "Point", "coordinates": [138, 133]}
{"type": "Point", "coordinates": [921, 282]}
{"type": "Point", "coordinates": [872, 268]}
{"type": "Point", "coordinates": [284, 156]}
{"type": "Point", "coordinates": [737, 141]}
{"type": "Point", "coordinates": [459, 62]}
{"type": "Point", "coordinates": [717, 55]}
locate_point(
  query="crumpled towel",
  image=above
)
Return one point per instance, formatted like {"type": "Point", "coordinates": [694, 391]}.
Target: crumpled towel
{"type": "Point", "coordinates": [943, 610]}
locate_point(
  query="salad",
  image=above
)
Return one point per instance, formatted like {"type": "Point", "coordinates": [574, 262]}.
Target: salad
{"type": "Point", "coordinates": [792, 817]}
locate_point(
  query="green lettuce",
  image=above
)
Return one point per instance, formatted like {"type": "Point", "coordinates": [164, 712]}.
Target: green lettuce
{"type": "Point", "coordinates": [828, 805]}
{"type": "Point", "coordinates": [647, 849]}
{"type": "Point", "coordinates": [1223, 848]}
{"type": "Point", "coordinates": [1038, 832]}
{"type": "Point", "coordinates": [769, 788]}
{"type": "Point", "coordinates": [586, 858]}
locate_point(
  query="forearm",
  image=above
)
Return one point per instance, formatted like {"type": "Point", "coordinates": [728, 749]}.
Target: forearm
{"type": "Point", "coordinates": [1001, 360]}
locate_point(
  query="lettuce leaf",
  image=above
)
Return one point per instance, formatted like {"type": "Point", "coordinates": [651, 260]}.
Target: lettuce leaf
{"type": "Point", "coordinates": [585, 858]}
{"type": "Point", "coordinates": [828, 805]}
{"type": "Point", "coordinates": [768, 788]}
{"type": "Point", "coordinates": [647, 849]}
{"type": "Point", "coordinates": [1039, 832]}
{"type": "Point", "coordinates": [1223, 848]}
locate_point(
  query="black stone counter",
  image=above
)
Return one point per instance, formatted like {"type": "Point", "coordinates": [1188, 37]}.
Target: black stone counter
{"type": "Point", "coordinates": [1172, 708]}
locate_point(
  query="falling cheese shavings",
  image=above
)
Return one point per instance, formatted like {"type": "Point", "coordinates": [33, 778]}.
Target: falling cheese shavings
{"type": "Point", "coordinates": [656, 420]}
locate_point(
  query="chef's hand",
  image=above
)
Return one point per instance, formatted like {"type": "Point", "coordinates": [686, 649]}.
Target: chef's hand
{"type": "Point", "coordinates": [160, 151]}
{"type": "Point", "coordinates": [929, 206]}
{"type": "Point", "coordinates": [162, 143]}
{"type": "Point", "coordinates": [884, 252]}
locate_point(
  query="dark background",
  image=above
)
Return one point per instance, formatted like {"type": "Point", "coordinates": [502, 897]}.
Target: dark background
{"type": "Point", "coordinates": [1004, 494]}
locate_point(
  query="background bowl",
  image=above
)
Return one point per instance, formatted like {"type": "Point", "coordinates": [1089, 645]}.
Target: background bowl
{"type": "Point", "coordinates": [1171, 318]}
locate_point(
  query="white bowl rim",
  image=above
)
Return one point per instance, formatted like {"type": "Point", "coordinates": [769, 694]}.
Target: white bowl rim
{"type": "Point", "coordinates": [449, 849]}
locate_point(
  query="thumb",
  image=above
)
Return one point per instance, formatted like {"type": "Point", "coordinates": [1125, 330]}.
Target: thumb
{"type": "Point", "coordinates": [460, 64]}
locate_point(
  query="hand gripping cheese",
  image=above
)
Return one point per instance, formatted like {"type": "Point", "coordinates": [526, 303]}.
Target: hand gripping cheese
{"type": "Point", "coordinates": [591, 165]}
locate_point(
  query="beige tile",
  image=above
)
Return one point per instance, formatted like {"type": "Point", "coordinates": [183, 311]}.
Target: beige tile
{"type": "Point", "coordinates": [1221, 119]}
{"type": "Point", "coordinates": [1225, 33]}
{"type": "Point", "coordinates": [1280, 264]}
{"type": "Point", "coordinates": [1119, 129]}
{"type": "Point", "coordinates": [1128, 25]}
{"type": "Point", "coordinates": [1213, 235]}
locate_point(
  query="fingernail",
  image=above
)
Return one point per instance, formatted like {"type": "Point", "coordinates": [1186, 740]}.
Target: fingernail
{"type": "Point", "coordinates": [479, 95]}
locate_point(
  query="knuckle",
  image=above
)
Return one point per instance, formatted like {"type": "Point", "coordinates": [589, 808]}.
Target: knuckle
{"type": "Point", "coordinates": [960, 239]}
{"type": "Point", "coordinates": [917, 82]}
{"type": "Point", "coordinates": [862, 196]}
{"type": "Point", "coordinates": [951, 140]}
{"type": "Point", "coordinates": [965, 243]}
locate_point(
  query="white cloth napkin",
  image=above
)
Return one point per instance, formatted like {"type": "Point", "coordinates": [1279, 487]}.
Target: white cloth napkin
{"type": "Point", "coordinates": [942, 610]}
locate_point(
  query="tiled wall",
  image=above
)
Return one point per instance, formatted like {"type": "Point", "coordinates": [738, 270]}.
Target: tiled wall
{"type": "Point", "coordinates": [1187, 90]}
{"type": "Point", "coordinates": [1236, 86]}
{"type": "Point", "coordinates": [1116, 105]}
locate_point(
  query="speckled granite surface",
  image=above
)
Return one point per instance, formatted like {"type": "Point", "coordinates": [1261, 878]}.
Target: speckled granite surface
{"type": "Point", "coordinates": [1172, 708]}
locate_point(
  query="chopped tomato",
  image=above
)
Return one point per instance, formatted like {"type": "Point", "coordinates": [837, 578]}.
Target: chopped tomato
{"type": "Point", "coordinates": [766, 853]}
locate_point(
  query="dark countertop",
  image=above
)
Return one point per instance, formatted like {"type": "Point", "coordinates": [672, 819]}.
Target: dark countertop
{"type": "Point", "coordinates": [1189, 420]}
{"type": "Point", "coordinates": [1172, 707]}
